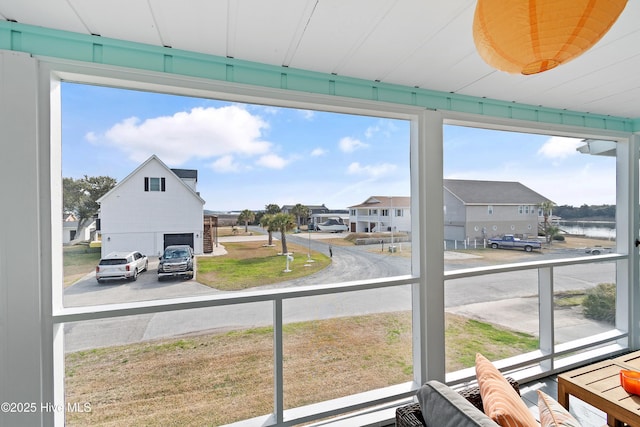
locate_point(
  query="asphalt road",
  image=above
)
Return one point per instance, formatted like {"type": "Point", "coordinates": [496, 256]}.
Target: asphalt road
{"type": "Point", "coordinates": [508, 298]}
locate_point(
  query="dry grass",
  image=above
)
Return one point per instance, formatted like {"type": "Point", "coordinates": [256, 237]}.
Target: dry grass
{"type": "Point", "coordinates": [225, 377]}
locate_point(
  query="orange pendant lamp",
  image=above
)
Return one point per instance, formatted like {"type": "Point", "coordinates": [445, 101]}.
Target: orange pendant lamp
{"type": "Point", "coordinates": [532, 36]}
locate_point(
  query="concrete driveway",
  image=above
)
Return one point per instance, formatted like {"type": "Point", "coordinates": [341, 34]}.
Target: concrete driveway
{"type": "Point", "coordinates": [87, 291]}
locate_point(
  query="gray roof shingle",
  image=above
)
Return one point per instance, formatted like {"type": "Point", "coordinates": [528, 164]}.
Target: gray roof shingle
{"type": "Point", "coordinates": [492, 192]}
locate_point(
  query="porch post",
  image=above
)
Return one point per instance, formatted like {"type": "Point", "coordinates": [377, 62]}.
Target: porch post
{"type": "Point", "coordinates": [427, 253]}
{"type": "Point", "coordinates": [628, 230]}
{"type": "Point", "coordinates": [26, 334]}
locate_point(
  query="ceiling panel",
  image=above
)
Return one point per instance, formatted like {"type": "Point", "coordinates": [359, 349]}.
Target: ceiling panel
{"type": "Point", "coordinates": [272, 39]}
{"type": "Point", "coordinates": [336, 30]}
{"type": "Point", "coordinates": [119, 19]}
{"type": "Point", "coordinates": [199, 27]}
{"type": "Point", "coordinates": [422, 26]}
{"type": "Point", "coordinates": [56, 14]}
{"type": "Point", "coordinates": [420, 43]}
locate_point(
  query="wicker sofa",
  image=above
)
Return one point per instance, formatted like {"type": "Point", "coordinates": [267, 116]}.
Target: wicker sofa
{"type": "Point", "coordinates": [449, 413]}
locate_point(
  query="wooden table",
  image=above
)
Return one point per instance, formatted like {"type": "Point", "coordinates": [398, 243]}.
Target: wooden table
{"type": "Point", "coordinates": [599, 385]}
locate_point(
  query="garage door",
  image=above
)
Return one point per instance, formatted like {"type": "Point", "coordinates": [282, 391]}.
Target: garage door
{"type": "Point", "coordinates": [178, 239]}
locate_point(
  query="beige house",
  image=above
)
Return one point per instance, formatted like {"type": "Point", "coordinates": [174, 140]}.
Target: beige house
{"type": "Point", "coordinates": [485, 209]}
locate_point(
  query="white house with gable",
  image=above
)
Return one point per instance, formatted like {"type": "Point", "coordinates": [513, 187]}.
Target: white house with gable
{"type": "Point", "coordinates": [381, 214]}
{"type": "Point", "coordinates": [152, 208]}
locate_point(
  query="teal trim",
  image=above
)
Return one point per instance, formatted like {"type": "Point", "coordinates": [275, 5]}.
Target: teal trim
{"type": "Point", "coordinates": [41, 41]}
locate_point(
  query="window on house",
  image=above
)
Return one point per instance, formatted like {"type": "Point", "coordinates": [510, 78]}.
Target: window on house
{"type": "Point", "coordinates": [399, 212]}
{"type": "Point", "coordinates": [384, 212]}
{"type": "Point", "coordinates": [154, 184]}
{"type": "Point", "coordinates": [490, 210]}
{"type": "Point", "coordinates": [373, 211]}
{"type": "Point", "coordinates": [520, 209]}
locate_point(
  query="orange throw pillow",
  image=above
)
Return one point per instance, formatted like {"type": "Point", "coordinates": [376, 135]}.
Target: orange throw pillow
{"type": "Point", "coordinates": [501, 402]}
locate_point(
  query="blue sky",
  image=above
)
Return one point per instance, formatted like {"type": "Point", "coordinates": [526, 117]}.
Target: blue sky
{"type": "Point", "coordinates": [249, 155]}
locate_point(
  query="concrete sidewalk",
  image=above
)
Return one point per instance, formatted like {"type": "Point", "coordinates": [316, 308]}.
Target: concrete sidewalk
{"type": "Point", "coordinates": [521, 314]}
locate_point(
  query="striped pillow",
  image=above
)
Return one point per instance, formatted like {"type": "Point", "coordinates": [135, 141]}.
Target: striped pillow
{"type": "Point", "coordinates": [553, 414]}
{"type": "Point", "coordinates": [501, 402]}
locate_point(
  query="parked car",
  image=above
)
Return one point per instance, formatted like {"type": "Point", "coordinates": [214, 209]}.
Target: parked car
{"type": "Point", "coordinates": [176, 261]}
{"type": "Point", "coordinates": [121, 265]}
{"type": "Point", "coordinates": [509, 241]}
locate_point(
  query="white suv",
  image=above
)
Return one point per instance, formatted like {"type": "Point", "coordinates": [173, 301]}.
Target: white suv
{"type": "Point", "coordinates": [121, 265]}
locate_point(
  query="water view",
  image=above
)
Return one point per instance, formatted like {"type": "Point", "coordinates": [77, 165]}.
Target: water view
{"type": "Point", "coordinates": [596, 229]}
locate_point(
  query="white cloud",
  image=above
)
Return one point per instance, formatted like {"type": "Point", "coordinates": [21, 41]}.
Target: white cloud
{"type": "Point", "coordinates": [384, 127]}
{"type": "Point", "coordinates": [348, 144]}
{"type": "Point", "coordinates": [372, 171]}
{"type": "Point", "coordinates": [272, 161]}
{"type": "Point", "coordinates": [371, 130]}
{"type": "Point", "coordinates": [200, 133]}
{"type": "Point", "coordinates": [91, 137]}
{"type": "Point", "coordinates": [558, 147]}
{"type": "Point", "coordinates": [307, 114]}
{"type": "Point", "coordinates": [226, 164]}
{"type": "Point", "coordinates": [318, 152]}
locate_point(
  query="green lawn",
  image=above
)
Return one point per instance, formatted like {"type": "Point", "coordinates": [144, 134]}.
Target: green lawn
{"type": "Point", "coordinates": [251, 264]}
{"type": "Point", "coordinates": [78, 261]}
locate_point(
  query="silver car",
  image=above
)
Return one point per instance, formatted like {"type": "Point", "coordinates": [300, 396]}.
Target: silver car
{"type": "Point", "coordinates": [121, 265]}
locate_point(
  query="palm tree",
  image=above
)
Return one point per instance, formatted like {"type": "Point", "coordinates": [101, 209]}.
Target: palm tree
{"type": "Point", "coordinates": [267, 222]}
{"type": "Point", "coordinates": [246, 216]}
{"type": "Point", "coordinates": [272, 208]}
{"type": "Point", "coordinates": [283, 222]}
{"type": "Point", "coordinates": [547, 210]}
{"type": "Point", "coordinates": [552, 232]}
{"type": "Point", "coordinates": [300, 211]}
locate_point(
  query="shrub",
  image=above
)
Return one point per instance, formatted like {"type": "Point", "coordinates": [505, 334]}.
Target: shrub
{"type": "Point", "coordinates": [600, 303]}
{"type": "Point", "coordinates": [559, 237]}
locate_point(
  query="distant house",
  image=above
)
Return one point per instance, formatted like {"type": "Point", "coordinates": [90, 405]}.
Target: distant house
{"type": "Point", "coordinates": [485, 209]}
{"type": "Point", "coordinates": [70, 232]}
{"type": "Point", "coordinates": [318, 214]}
{"type": "Point", "coordinates": [151, 208]}
{"type": "Point", "coordinates": [381, 214]}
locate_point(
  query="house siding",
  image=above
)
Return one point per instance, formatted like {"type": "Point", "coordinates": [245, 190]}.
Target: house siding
{"type": "Point", "coordinates": [135, 219]}
{"type": "Point", "coordinates": [486, 209]}
{"type": "Point", "coordinates": [369, 217]}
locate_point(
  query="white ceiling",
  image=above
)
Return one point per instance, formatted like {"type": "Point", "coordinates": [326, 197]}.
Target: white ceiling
{"type": "Point", "coordinates": [422, 43]}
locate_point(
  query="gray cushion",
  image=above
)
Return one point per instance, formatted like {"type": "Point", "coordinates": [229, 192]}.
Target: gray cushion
{"type": "Point", "coordinates": [443, 407]}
